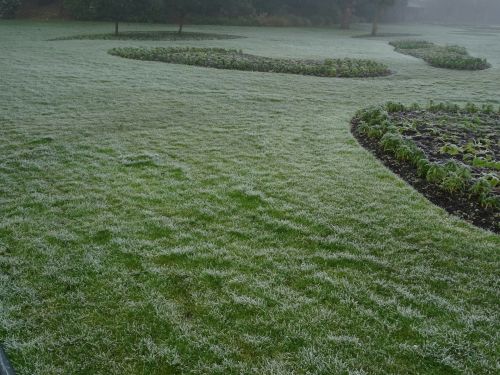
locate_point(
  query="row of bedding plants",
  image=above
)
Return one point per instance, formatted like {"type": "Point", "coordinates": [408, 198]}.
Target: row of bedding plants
{"type": "Point", "coordinates": [233, 59]}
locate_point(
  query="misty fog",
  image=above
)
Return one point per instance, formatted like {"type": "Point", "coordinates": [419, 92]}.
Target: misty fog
{"type": "Point", "coordinates": [481, 12]}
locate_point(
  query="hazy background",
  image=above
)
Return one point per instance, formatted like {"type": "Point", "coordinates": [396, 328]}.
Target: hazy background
{"type": "Point", "coordinates": [455, 11]}
{"type": "Point", "coordinates": [261, 12]}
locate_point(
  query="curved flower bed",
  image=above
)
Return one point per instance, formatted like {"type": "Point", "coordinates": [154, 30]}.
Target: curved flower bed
{"type": "Point", "coordinates": [150, 35]}
{"type": "Point", "coordinates": [448, 57]}
{"type": "Point", "coordinates": [450, 154]}
{"type": "Point", "coordinates": [237, 60]}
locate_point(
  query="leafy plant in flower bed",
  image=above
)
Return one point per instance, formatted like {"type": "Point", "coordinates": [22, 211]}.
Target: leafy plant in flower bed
{"type": "Point", "coordinates": [150, 35]}
{"type": "Point", "coordinates": [237, 60]}
{"type": "Point", "coordinates": [453, 149]}
{"type": "Point", "coordinates": [449, 57]}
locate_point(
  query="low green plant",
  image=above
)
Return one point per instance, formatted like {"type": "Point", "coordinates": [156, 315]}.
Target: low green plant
{"type": "Point", "coordinates": [232, 59]}
{"type": "Point", "coordinates": [436, 173]}
{"type": "Point", "coordinates": [394, 107]}
{"type": "Point", "coordinates": [423, 166]}
{"type": "Point", "coordinates": [451, 149]}
{"type": "Point", "coordinates": [394, 134]}
{"type": "Point", "coordinates": [483, 188]}
{"type": "Point", "coordinates": [484, 163]}
{"type": "Point", "coordinates": [456, 177]}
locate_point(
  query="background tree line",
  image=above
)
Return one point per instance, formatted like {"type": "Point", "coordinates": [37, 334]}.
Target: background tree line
{"type": "Point", "coordinates": [307, 12]}
{"type": "Point", "coordinates": [266, 12]}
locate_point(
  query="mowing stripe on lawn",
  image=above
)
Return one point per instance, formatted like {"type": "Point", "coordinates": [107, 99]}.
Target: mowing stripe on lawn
{"type": "Point", "coordinates": [5, 366]}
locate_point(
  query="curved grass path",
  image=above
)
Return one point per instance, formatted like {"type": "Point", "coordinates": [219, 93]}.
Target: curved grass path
{"type": "Point", "coordinates": [190, 221]}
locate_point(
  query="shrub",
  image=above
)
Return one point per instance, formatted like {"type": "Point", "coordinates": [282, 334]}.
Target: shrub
{"type": "Point", "coordinates": [80, 9]}
{"type": "Point", "coordinates": [449, 57]}
{"type": "Point", "coordinates": [483, 188]}
{"type": "Point", "coordinates": [8, 8]}
{"type": "Point", "coordinates": [236, 60]}
{"type": "Point", "coordinates": [456, 177]}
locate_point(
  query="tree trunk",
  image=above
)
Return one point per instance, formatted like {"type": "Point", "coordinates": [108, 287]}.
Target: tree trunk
{"type": "Point", "coordinates": [61, 8]}
{"type": "Point", "coordinates": [116, 27]}
{"type": "Point", "coordinates": [346, 15]}
{"type": "Point", "coordinates": [181, 23]}
{"type": "Point", "coordinates": [376, 19]}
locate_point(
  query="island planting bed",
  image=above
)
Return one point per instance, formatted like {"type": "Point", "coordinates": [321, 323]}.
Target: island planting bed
{"type": "Point", "coordinates": [448, 57]}
{"type": "Point", "coordinates": [450, 154]}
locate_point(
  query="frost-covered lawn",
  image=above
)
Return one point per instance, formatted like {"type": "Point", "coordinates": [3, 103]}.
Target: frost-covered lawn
{"type": "Point", "coordinates": [162, 218]}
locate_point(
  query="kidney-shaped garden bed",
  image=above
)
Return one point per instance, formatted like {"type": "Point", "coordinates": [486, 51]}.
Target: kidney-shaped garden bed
{"type": "Point", "coordinates": [447, 57]}
{"type": "Point", "coordinates": [448, 153]}
{"type": "Point", "coordinates": [220, 58]}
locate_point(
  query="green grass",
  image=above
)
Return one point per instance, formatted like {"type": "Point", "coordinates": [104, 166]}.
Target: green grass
{"type": "Point", "coordinates": [231, 59]}
{"type": "Point", "coordinates": [161, 218]}
{"type": "Point", "coordinates": [447, 57]}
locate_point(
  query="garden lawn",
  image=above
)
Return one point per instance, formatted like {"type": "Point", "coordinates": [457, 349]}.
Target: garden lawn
{"type": "Point", "coordinates": [170, 219]}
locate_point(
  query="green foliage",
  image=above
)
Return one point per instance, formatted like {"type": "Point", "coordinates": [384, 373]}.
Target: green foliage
{"type": "Point", "coordinates": [449, 57]}
{"type": "Point", "coordinates": [8, 8]}
{"type": "Point", "coordinates": [459, 50]}
{"type": "Point", "coordinates": [435, 173]}
{"type": "Point", "coordinates": [483, 188]}
{"type": "Point", "coordinates": [236, 60]}
{"type": "Point", "coordinates": [395, 107]}
{"type": "Point", "coordinates": [423, 166]}
{"type": "Point", "coordinates": [384, 123]}
{"type": "Point", "coordinates": [484, 163]}
{"type": "Point", "coordinates": [451, 149]}
{"type": "Point", "coordinates": [229, 12]}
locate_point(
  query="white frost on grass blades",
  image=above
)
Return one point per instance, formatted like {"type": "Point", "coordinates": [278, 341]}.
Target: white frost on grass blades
{"type": "Point", "coordinates": [248, 301]}
{"type": "Point", "coordinates": [344, 339]}
{"type": "Point", "coordinates": [235, 187]}
{"type": "Point", "coordinates": [154, 352]}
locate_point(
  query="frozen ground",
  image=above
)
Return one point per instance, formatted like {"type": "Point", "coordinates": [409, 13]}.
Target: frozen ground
{"type": "Point", "coordinates": [161, 218]}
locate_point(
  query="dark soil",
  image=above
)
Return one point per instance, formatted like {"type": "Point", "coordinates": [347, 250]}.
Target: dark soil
{"type": "Point", "coordinates": [435, 130]}
{"type": "Point", "coordinates": [458, 204]}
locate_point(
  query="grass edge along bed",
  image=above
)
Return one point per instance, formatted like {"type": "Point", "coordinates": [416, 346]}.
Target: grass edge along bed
{"type": "Point", "coordinates": [232, 59]}
{"type": "Point", "coordinates": [447, 57]}
{"type": "Point", "coordinates": [449, 185]}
